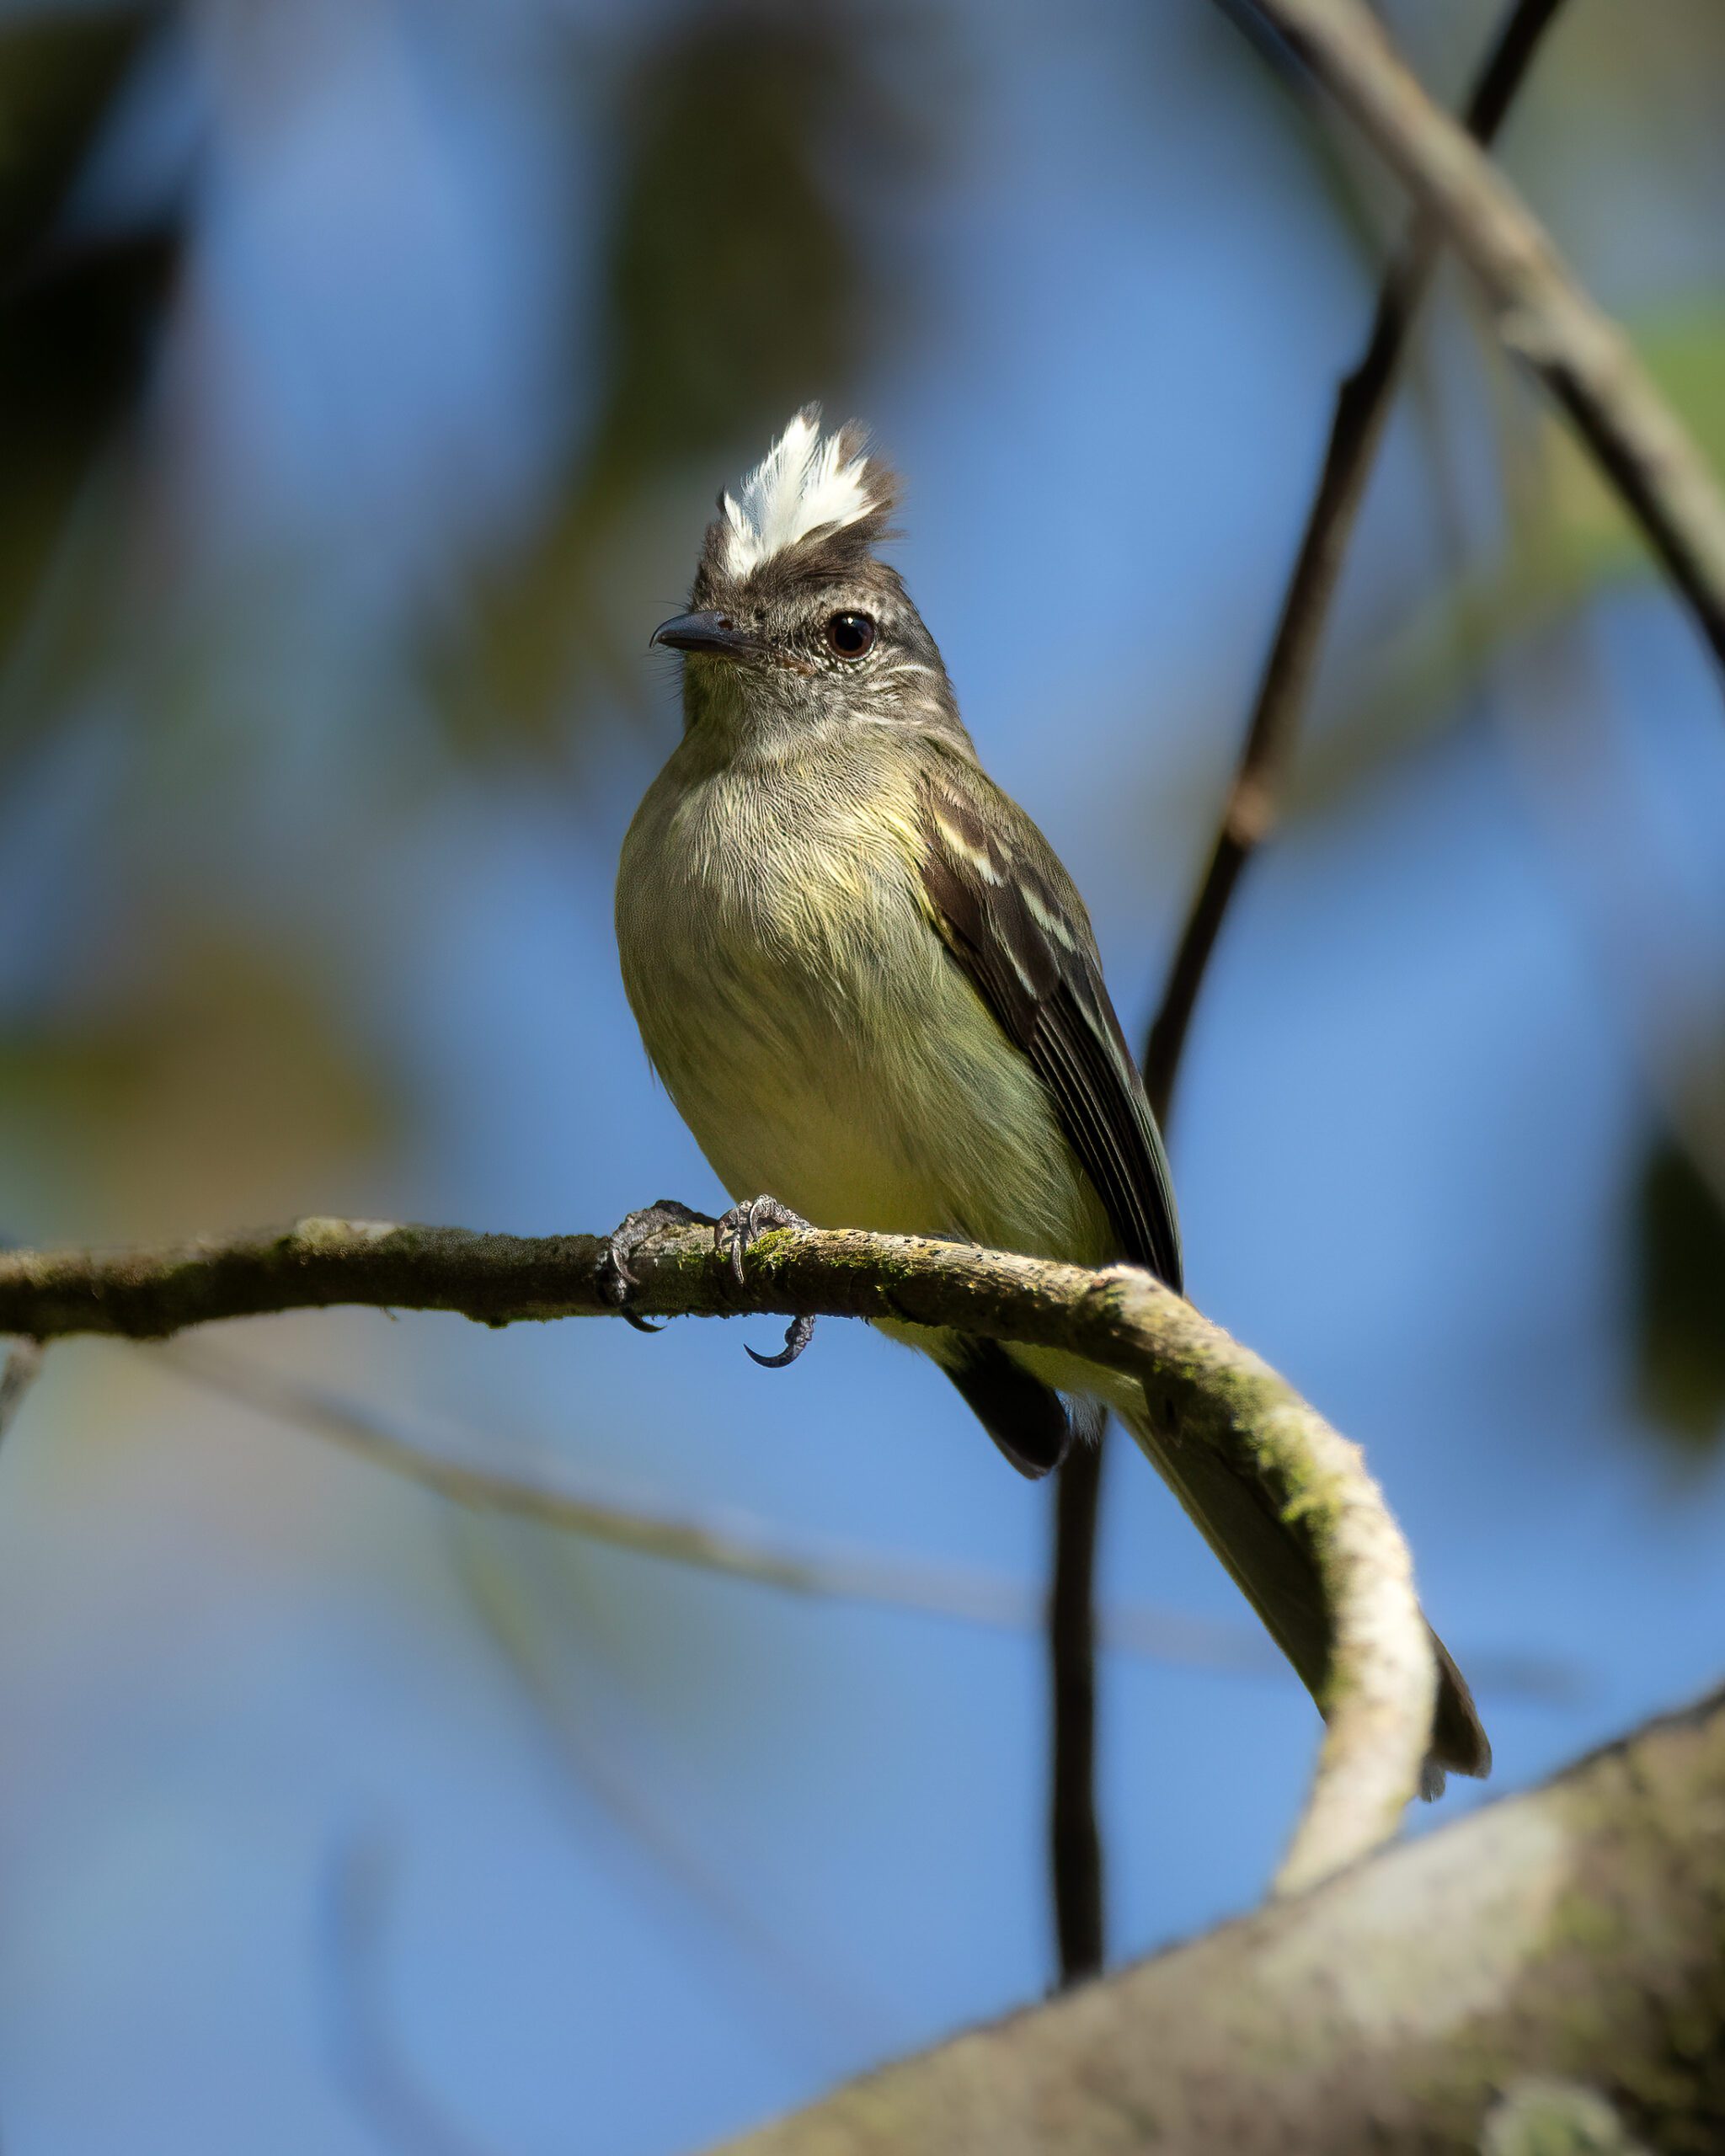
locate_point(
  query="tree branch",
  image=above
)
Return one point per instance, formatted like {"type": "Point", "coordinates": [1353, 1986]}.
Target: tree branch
{"type": "Point", "coordinates": [1253, 799]}
{"type": "Point", "coordinates": [1542, 314]}
{"type": "Point", "coordinates": [1452, 1995]}
{"type": "Point", "coordinates": [1250, 810]}
{"type": "Point", "coordinates": [1380, 1687]}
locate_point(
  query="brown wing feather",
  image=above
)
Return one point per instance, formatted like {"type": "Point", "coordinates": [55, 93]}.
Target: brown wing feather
{"type": "Point", "coordinates": [1010, 918]}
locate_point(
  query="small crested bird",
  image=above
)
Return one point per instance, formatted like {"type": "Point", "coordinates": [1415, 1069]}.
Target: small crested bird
{"type": "Point", "coordinates": [874, 992]}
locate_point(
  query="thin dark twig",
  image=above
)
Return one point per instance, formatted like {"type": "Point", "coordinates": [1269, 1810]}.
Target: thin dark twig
{"type": "Point", "coordinates": [1075, 1834]}
{"type": "Point", "coordinates": [1249, 812]}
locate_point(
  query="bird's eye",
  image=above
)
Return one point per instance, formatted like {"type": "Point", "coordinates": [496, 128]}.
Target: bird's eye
{"type": "Point", "coordinates": [850, 636]}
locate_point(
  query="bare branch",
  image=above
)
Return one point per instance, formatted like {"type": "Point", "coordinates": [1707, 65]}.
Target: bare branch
{"type": "Point", "coordinates": [1380, 1692]}
{"type": "Point", "coordinates": [1542, 314]}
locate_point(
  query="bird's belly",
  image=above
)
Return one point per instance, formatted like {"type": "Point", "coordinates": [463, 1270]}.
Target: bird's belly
{"type": "Point", "coordinates": [824, 1143]}
{"type": "Point", "coordinates": [859, 1078]}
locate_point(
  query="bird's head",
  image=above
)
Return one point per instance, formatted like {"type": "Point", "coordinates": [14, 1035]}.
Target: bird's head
{"type": "Point", "coordinates": [794, 621]}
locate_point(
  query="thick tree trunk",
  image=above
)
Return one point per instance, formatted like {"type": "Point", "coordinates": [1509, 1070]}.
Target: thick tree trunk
{"type": "Point", "coordinates": [1545, 1979]}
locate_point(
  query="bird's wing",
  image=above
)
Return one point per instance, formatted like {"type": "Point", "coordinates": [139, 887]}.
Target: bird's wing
{"type": "Point", "coordinates": [1011, 917]}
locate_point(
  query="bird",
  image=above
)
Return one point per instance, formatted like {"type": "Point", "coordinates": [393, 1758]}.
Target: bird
{"type": "Point", "coordinates": [874, 993]}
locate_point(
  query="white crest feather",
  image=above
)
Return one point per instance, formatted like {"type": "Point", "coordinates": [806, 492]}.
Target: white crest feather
{"type": "Point", "coordinates": [798, 485]}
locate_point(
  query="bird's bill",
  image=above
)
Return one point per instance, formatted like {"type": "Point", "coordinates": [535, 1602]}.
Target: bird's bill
{"type": "Point", "coordinates": [706, 630]}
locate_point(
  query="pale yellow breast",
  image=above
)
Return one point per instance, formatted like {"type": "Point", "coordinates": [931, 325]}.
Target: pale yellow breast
{"type": "Point", "coordinates": [810, 1025]}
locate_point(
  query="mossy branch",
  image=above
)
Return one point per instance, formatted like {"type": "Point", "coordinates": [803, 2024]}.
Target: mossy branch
{"type": "Point", "coordinates": [1382, 1680]}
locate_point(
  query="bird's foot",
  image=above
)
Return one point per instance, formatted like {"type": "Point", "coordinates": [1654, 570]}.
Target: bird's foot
{"type": "Point", "coordinates": [744, 1226]}
{"type": "Point", "coordinates": [616, 1281]}
{"type": "Point", "coordinates": [734, 1231]}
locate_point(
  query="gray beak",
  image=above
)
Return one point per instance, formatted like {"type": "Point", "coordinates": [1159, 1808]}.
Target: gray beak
{"type": "Point", "coordinates": [705, 631]}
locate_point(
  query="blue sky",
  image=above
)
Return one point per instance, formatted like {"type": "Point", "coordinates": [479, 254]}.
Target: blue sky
{"type": "Point", "coordinates": [699, 1849]}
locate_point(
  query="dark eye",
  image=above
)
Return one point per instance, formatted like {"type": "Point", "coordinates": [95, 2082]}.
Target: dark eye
{"type": "Point", "coordinates": [849, 636]}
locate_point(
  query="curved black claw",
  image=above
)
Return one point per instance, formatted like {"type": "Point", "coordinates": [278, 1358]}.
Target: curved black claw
{"type": "Point", "coordinates": [745, 1225]}
{"type": "Point", "coordinates": [735, 1231]}
{"type": "Point", "coordinates": [616, 1282]}
{"type": "Point", "coordinates": [798, 1334]}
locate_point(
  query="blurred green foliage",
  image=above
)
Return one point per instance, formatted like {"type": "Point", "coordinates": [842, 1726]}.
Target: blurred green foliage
{"type": "Point", "coordinates": [742, 265]}
{"type": "Point", "coordinates": [221, 1082]}
{"type": "Point", "coordinates": [1584, 529]}
{"type": "Point", "coordinates": [58, 76]}
{"type": "Point", "coordinates": [79, 310]}
{"type": "Point", "coordinates": [1567, 543]}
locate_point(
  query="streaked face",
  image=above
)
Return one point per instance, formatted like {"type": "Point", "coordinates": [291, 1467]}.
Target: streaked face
{"type": "Point", "coordinates": [794, 622]}
{"type": "Point", "coordinates": [796, 648]}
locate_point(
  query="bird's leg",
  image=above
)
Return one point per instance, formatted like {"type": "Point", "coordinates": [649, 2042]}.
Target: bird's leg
{"type": "Point", "coordinates": [616, 1280]}
{"type": "Point", "coordinates": [735, 1231]}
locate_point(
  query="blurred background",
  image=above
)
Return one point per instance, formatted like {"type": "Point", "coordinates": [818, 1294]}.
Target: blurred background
{"type": "Point", "coordinates": [368, 368]}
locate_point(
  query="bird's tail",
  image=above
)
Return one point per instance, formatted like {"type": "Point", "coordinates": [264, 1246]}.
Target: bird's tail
{"type": "Point", "coordinates": [1276, 1573]}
